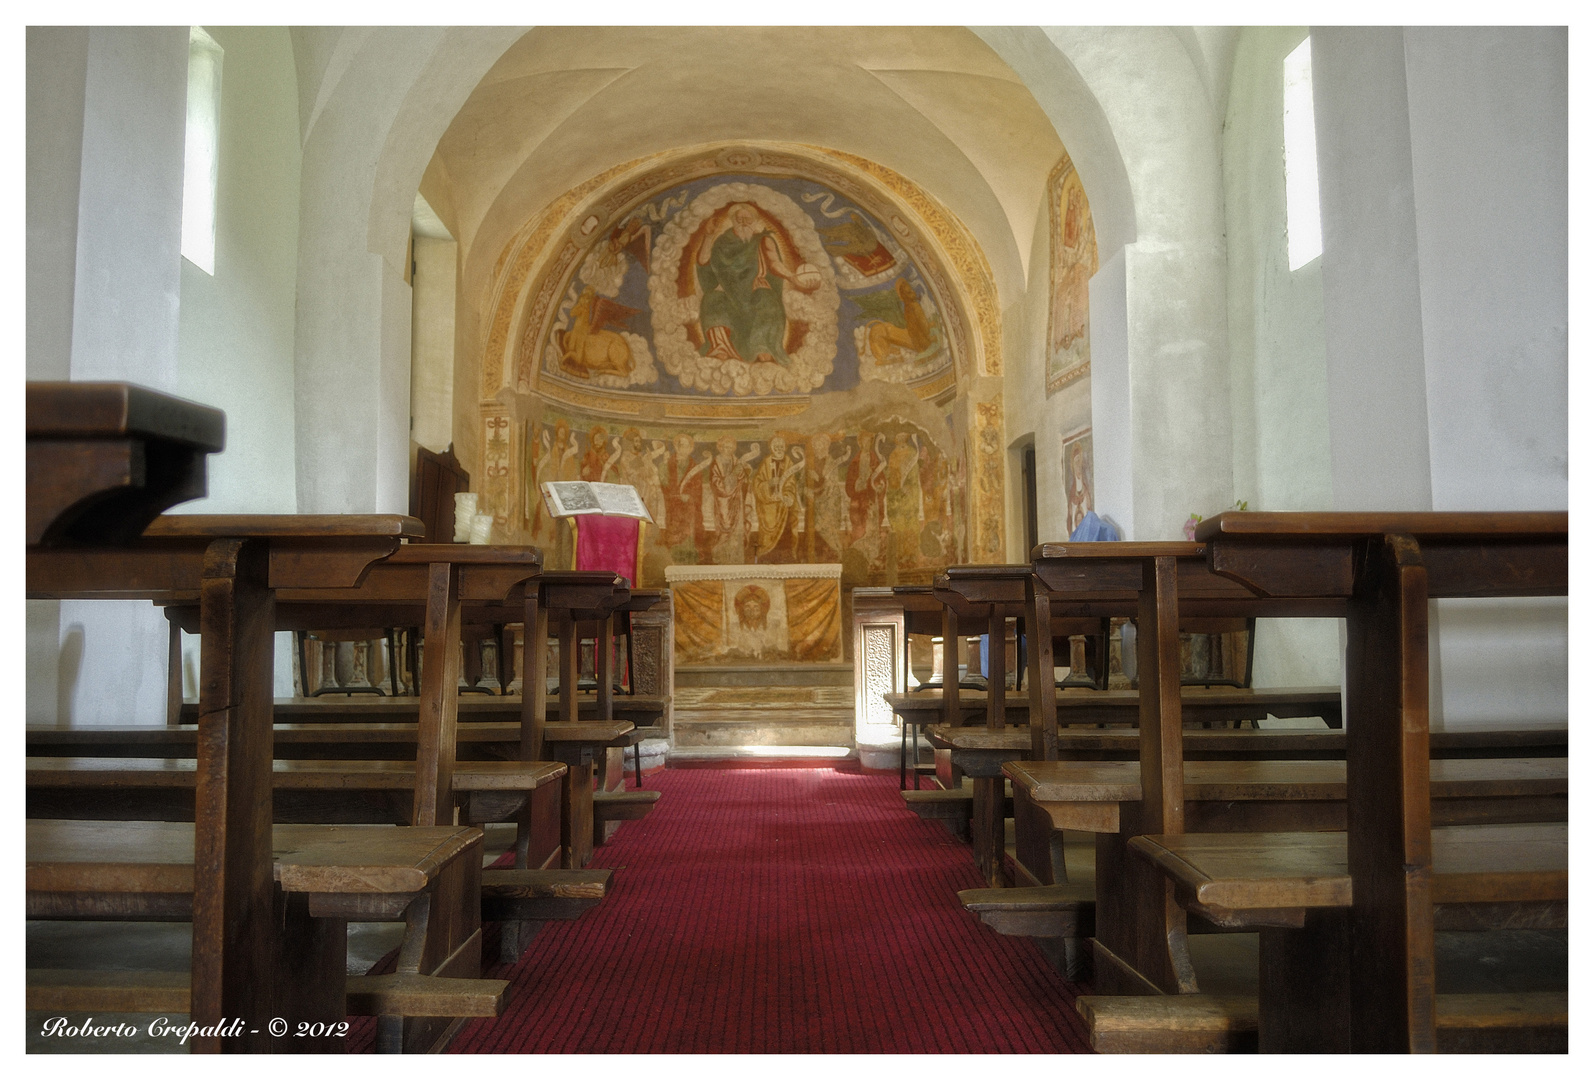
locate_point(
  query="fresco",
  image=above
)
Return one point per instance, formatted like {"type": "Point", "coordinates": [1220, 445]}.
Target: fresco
{"type": "Point", "coordinates": [738, 286]}
{"type": "Point", "coordinates": [1073, 249]}
{"type": "Point", "coordinates": [791, 613]}
{"type": "Point", "coordinates": [885, 502]}
{"type": "Point", "coordinates": [1078, 478]}
{"type": "Point", "coordinates": [775, 345]}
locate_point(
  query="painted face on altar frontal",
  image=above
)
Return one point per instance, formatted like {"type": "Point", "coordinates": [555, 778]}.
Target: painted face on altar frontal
{"type": "Point", "coordinates": [633, 439]}
{"type": "Point", "coordinates": [777, 448]}
{"type": "Point", "coordinates": [726, 446]}
{"type": "Point", "coordinates": [683, 446]}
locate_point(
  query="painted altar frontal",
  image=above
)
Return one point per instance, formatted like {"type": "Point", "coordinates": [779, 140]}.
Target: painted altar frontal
{"type": "Point", "coordinates": [787, 613]}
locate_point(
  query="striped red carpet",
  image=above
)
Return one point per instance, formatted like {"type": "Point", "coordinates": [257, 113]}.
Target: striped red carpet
{"type": "Point", "coordinates": [789, 911]}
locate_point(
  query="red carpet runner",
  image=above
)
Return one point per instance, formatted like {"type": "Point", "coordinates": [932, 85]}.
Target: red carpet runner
{"type": "Point", "coordinates": [785, 910]}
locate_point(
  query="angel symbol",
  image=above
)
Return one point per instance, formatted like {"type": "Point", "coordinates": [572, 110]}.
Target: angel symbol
{"type": "Point", "coordinates": [588, 348]}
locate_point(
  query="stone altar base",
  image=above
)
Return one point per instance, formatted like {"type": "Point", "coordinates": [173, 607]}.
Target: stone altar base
{"type": "Point", "coordinates": [807, 705]}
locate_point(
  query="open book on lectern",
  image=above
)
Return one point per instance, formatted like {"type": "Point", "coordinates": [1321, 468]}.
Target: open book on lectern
{"type": "Point", "coordinates": [567, 498]}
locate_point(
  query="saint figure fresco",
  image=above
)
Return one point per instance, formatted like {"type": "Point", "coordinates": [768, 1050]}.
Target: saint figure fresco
{"type": "Point", "coordinates": [1073, 252]}
{"type": "Point", "coordinates": [775, 498]}
{"type": "Point", "coordinates": [1078, 480]}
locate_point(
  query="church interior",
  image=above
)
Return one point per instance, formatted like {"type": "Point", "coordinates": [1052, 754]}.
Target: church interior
{"type": "Point", "coordinates": [1236, 356]}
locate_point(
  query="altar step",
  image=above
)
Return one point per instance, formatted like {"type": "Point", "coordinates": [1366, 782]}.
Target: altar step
{"type": "Point", "coordinates": [753, 675]}
{"type": "Point", "coordinates": [817, 712]}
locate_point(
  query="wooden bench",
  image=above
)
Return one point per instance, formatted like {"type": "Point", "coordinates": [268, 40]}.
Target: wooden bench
{"type": "Point", "coordinates": [622, 805]}
{"type": "Point", "coordinates": [953, 807]}
{"type": "Point", "coordinates": [1294, 886]}
{"type": "Point", "coordinates": [307, 787]}
{"type": "Point", "coordinates": [1481, 873]}
{"type": "Point", "coordinates": [1104, 797]}
{"type": "Point", "coordinates": [1061, 918]}
{"type": "Point", "coordinates": [1387, 567]}
{"type": "Point", "coordinates": [522, 900]}
{"type": "Point", "coordinates": [1376, 570]}
{"type": "Point", "coordinates": [1240, 796]}
{"type": "Point", "coordinates": [317, 791]}
{"type": "Point", "coordinates": [1523, 1023]}
{"type": "Point", "coordinates": [324, 876]}
{"type": "Point", "coordinates": [437, 582]}
{"type": "Point", "coordinates": [233, 567]}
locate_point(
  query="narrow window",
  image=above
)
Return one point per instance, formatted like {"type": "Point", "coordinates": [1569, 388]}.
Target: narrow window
{"type": "Point", "coordinates": [1303, 223]}
{"type": "Point", "coordinates": [199, 150]}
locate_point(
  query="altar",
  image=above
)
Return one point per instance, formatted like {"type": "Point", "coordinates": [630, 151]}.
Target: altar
{"type": "Point", "coordinates": [757, 614]}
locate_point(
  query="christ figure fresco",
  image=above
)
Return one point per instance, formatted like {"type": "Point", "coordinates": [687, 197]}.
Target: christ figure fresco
{"type": "Point", "coordinates": [743, 275]}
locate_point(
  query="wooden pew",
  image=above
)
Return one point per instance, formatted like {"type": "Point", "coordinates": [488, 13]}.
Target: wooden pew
{"type": "Point", "coordinates": [1533, 1022]}
{"type": "Point", "coordinates": [234, 575]}
{"type": "Point", "coordinates": [1121, 708]}
{"type": "Point", "coordinates": [1106, 798]}
{"type": "Point", "coordinates": [976, 751]}
{"type": "Point", "coordinates": [324, 876]}
{"type": "Point", "coordinates": [1295, 889]}
{"type": "Point", "coordinates": [439, 582]}
{"type": "Point", "coordinates": [1066, 598]}
{"type": "Point", "coordinates": [489, 776]}
{"type": "Point", "coordinates": [105, 459]}
{"type": "Point", "coordinates": [1380, 570]}
{"type": "Point", "coordinates": [102, 464]}
{"type": "Point", "coordinates": [574, 599]}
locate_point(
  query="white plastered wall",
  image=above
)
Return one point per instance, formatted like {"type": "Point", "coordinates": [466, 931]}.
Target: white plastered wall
{"type": "Point", "coordinates": [1143, 127]}
{"type": "Point", "coordinates": [103, 272]}
{"type": "Point", "coordinates": [432, 367]}
{"type": "Point", "coordinates": [374, 103]}
{"type": "Point", "coordinates": [1443, 161]}
{"type": "Point", "coordinates": [141, 313]}
{"type": "Point", "coordinates": [235, 340]}
{"type": "Point", "coordinates": [1488, 111]}
{"type": "Point", "coordinates": [1278, 377]}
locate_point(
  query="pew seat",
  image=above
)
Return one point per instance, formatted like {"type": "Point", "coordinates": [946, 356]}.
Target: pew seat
{"type": "Point", "coordinates": [1481, 873]}
{"type": "Point", "coordinates": [1061, 918]}
{"type": "Point", "coordinates": [953, 807]}
{"type": "Point", "coordinates": [123, 788]}
{"type": "Point", "coordinates": [521, 900]}
{"type": "Point", "coordinates": [1534, 1022]}
{"type": "Point", "coordinates": [73, 990]}
{"type": "Point", "coordinates": [326, 875]}
{"type": "Point", "coordinates": [542, 895]}
{"type": "Point", "coordinates": [621, 805]}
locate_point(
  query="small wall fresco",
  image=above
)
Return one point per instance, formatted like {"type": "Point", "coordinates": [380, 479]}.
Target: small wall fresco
{"type": "Point", "coordinates": [1073, 262]}
{"type": "Point", "coordinates": [1078, 477]}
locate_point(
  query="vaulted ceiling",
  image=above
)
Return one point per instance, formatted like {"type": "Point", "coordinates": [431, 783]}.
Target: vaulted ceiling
{"type": "Point", "coordinates": [563, 104]}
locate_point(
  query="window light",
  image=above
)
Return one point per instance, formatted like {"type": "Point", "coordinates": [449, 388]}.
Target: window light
{"type": "Point", "coordinates": [1303, 222]}
{"type": "Point", "coordinates": [199, 150]}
